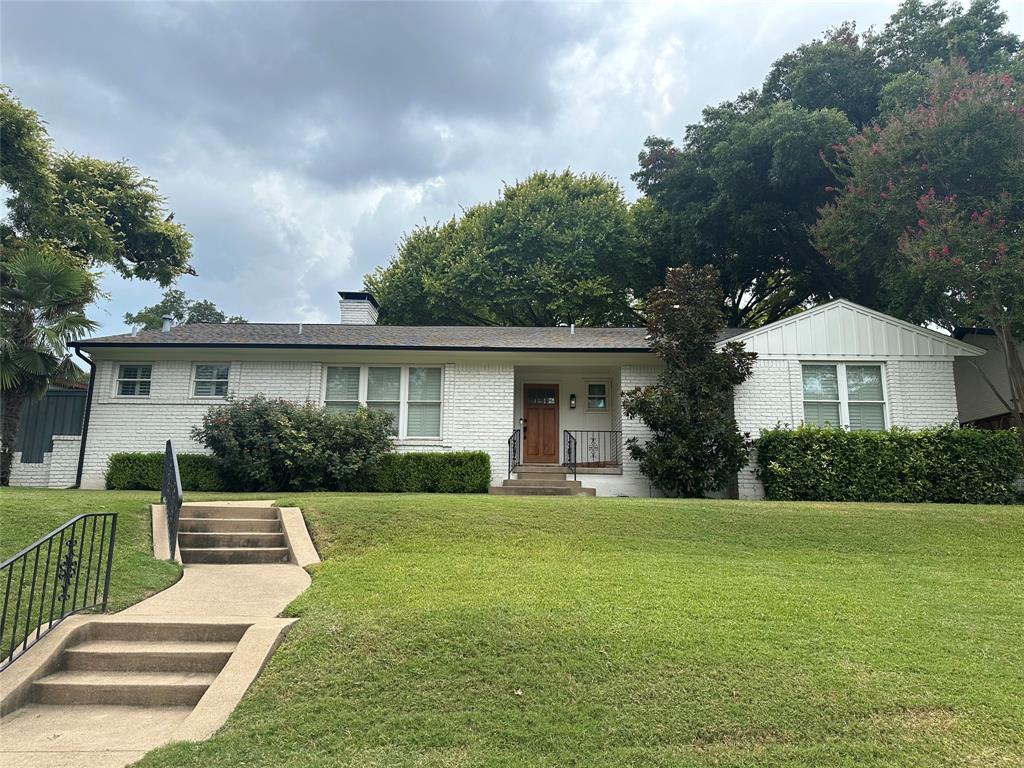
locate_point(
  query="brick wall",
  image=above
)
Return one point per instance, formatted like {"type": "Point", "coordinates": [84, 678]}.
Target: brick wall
{"type": "Point", "coordinates": [633, 482]}
{"type": "Point", "coordinates": [922, 393]}
{"type": "Point", "coordinates": [58, 469]}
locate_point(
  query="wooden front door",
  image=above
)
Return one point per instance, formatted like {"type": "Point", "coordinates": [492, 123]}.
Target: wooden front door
{"type": "Point", "coordinates": [540, 435]}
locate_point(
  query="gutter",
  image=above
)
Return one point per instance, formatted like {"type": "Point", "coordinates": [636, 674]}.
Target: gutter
{"type": "Point", "coordinates": [381, 347]}
{"type": "Point", "coordinates": [88, 411]}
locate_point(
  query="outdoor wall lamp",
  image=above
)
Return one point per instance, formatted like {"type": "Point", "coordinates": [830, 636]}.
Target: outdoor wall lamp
{"type": "Point", "coordinates": [572, 401]}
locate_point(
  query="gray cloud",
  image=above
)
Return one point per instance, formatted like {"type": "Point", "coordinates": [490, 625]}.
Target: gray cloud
{"type": "Point", "coordinates": [298, 141]}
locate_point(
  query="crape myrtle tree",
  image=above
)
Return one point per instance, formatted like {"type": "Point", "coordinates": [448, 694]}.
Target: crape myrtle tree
{"type": "Point", "coordinates": [927, 220]}
{"type": "Point", "coordinates": [66, 216]}
{"type": "Point", "coordinates": [556, 248]}
{"type": "Point", "coordinates": [183, 310]}
{"type": "Point", "coordinates": [695, 445]}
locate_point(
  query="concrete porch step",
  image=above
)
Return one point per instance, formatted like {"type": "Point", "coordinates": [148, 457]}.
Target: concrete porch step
{"type": "Point", "coordinates": [539, 490]}
{"type": "Point", "coordinates": [539, 469]}
{"type": "Point", "coordinates": [144, 689]}
{"type": "Point", "coordinates": [229, 512]}
{"type": "Point", "coordinates": [238, 539]}
{"type": "Point", "coordinates": [542, 480]}
{"type": "Point", "coordinates": [227, 525]}
{"type": "Point", "coordinates": [232, 555]}
{"type": "Point", "coordinates": [142, 656]}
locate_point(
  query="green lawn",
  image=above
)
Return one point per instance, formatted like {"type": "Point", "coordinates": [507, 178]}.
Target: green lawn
{"type": "Point", "coordinates": [491, 631]}
{"type": "Point", "coordinates": [488, 631]}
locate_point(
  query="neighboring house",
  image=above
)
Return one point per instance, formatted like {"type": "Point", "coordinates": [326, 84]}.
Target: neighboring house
{"type": "Point", "coordinates": [475, 388]}
{"type": "Point", "coordinates": [979, 405]}
{"type": "Point", "coordinates": [47, 445]}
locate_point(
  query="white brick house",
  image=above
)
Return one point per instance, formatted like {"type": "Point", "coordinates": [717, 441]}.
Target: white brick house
{"type": "Point", "coordinates": [526, 396]}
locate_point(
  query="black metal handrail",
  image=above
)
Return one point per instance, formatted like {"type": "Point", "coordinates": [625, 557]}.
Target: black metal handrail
{"type": "Point", "coordinates": [515, 446]}
{"type": "Point", "coordinates": [71, 564]}
{"type": "Point", "coordinates": [569, 439]}
{"type": "Point", "coordinates": [170, 495]}
{"type": "Point", "coordinates": [595, 447]}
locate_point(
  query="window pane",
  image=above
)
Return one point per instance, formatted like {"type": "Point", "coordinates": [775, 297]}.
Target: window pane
{"type": "Point", "coordinates": [142, 387]}
{"type": "Point", "coordinates": [821, 414]}
{"type": "Point", "coordinates": [219, 372]}
{"type": "Point", "coordinates": [342, 384]}
{"type": "Point", "coordinates": [864, 382]}
{"type": "Point", "coordinates": [383, 383]}
{"type": "Point", "coordinates": [869, 416]}
{"type": "Point", "coordinates": [391, 408]}
{"type": "Point", "coordinates": [343, 407]}
{"type": "Point", "coordinates": [597, 390]}
{"type": "Point", "coordinates": [127, 388]}
{"type": "Point", "coordinates": [820, 382]}
{"type": "Point", "coordinates": [424, 383]}
{"type": "Point", "coordinates": [541, 396]}
{"type": "Point", "coordinates": [424, 420]}
{"type": "Point", "coordinates": [596, 403]}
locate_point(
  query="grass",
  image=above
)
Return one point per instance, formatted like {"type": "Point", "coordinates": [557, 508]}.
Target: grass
{"type": "Point", "coordinates": [489, 631]}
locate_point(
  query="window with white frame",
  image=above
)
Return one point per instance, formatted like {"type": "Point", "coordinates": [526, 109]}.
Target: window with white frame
{"type": "Point", "coordinates": [844, 394]}
{"type": "Point", "coordinates": [411, 393]}
{"type": "Point", "coordinates": [210, 379]}
{"type": "Point", "coordinates": [597, 396]}
{"type": "Point", "coordinates": [134, 380]}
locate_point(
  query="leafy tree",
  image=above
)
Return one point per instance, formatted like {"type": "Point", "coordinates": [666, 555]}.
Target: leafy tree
{"type": "Point", "coordinates": [556, 248]}
{"type": "Point", "coordinates": [695, 445]}
{"type": "Point", "coordinates": [183, 310]}
{"type": "Point", "coordinates": [66, 216]}
{"type": "Point", "coordinates": [42, 297]}
{"type": "Point", "coordinates": [740, 195]}
{"type": "Point", "coordinates": [928, 216]}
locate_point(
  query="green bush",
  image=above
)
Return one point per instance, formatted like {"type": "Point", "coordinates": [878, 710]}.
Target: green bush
{"type": "Point", "coordinates": [943, 465]}
{"type": "Point", "coordinates": [145, 472]}
{"type": "Point", "coordinates": [457, 472]}
{"type": "Point", "coordinates": [278, 445]}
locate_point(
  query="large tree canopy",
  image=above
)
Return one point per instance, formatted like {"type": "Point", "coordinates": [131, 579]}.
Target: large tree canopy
{"type": "Point", "coordinates": [183, 311]}
{"type": "Point", "coordinates": [928, 217]}
{"type": "Point", "coordinates": [556, 248]}
{"type": "Point", "coordinates": [743, 188]}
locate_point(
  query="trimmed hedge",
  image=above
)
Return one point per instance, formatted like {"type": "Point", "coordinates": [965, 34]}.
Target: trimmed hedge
{"type": "Point", "coordinates": [145, 472]}
{"type": "Point", "coordinates": [944, 465]}
{"type": "Point", "coordinates": [455, 472]}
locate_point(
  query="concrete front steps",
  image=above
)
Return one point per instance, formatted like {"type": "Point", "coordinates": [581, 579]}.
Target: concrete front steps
{"type": "Point", "coordinates": [540, 480]}
{"type": "Point", "coordinates": [226, 535]}
{"type": "Point", "coordinates": [139, 664]}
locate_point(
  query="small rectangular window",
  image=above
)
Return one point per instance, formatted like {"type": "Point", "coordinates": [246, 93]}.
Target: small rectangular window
{"type": "Point", "coordinates": [597, 396]}
{"type": "Point", "coordinates": [134, 380]}
{"type": "Point", "coordinates": [383, 391]}
{"type": "Point", "coordinates": [342, 389]}
{"type": "Point", "coordinates": [866, 402]}
{"type": "Point", "coordinates": [211, 380]}
{"type": "Point", "coordinates": [423, 418]}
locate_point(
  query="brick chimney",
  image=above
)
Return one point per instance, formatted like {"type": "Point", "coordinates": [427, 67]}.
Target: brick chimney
{"type": "Point", "coordinates": [358, 308]}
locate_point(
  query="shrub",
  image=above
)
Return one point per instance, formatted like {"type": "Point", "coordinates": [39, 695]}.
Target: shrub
{"type": "Point", "coordinates": [947, 465]}
{"type": "Point", "coordinates": [277, 445]}
{"type": "Point", "coordinates": [145, 472]}
{"type": "Point", "coordinates": [457, 472]}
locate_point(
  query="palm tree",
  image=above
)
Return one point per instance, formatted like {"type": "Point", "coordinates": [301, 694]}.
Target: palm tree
{"type": "Point", "coordinates": [43, 296]}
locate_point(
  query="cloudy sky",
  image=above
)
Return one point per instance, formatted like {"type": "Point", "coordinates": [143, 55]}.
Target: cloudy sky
{"type": "Point", "coordinates": [298, 141]}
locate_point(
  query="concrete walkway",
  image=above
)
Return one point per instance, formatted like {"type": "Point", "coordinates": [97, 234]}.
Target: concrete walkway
{"type": "Point", "coordinates": [110, 736]}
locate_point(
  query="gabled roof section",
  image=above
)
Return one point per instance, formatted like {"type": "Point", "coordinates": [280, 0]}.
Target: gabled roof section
{"type": "Point", "coordinates": [844, 329]}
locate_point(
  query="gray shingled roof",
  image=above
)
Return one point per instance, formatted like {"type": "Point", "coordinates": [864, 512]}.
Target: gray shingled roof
{"type": "Point", "coordinates": [384, 337]}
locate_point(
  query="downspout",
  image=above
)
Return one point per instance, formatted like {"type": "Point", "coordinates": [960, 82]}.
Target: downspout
{"type": "Point", "coordinates": [88, 411]}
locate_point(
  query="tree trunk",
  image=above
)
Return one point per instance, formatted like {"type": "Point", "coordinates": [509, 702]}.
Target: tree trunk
{"type": "Point", "coordinates": [13, 400]}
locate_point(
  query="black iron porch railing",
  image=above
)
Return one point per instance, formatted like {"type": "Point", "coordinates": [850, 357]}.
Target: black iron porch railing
{"type": "Point", "coordinates": [569, 452]}
{"type": "Point", "coordinates": [170, 495]}
{"type": "Point", "coordinates": [65, 572]}
{"type": "Point", "coordinates": [515, 451]}
{"type": "Point", "coordinates": [594, 447]}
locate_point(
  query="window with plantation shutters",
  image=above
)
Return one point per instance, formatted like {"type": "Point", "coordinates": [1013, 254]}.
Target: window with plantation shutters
{"type": "Point", "coordinates": [383, 391]}
{"type": "Point", "coordinates": [342, 389]}
{"type": "Point", "coordinates": [844, 394]}
{"type": "Point", "coordinates": [134, 380]}
{"type": "Point", "coordinates": [410, 393]}
{"type": "Point", "coordinates": [423, 416]}
{"type": "Point", "coordinates": [210, 379]}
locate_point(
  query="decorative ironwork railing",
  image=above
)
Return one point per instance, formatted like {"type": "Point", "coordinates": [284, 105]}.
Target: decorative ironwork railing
{"type": "Point", "coordinates": [594, 447]}
{"type": "Point", "coordinates": [170, 495]}
{"type": "Point", "coordinates": [569, 451]}
{"type": "Point", "coordinates": [59, 575]}
{"type": "Point", "coordinates": [515, 451]}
